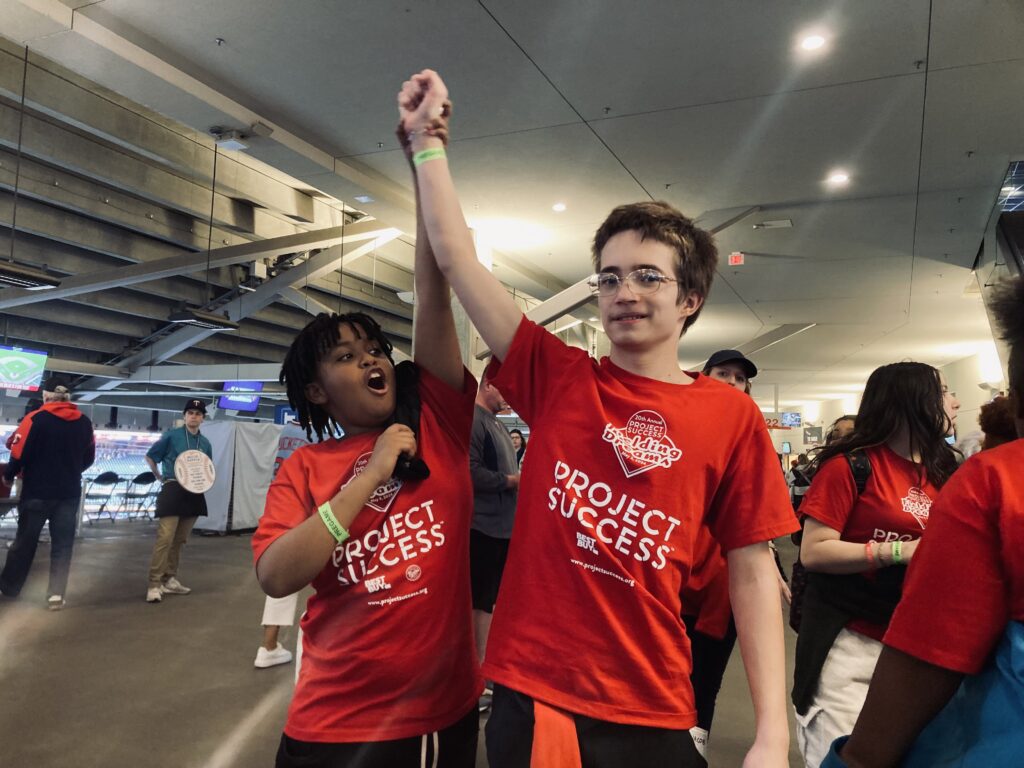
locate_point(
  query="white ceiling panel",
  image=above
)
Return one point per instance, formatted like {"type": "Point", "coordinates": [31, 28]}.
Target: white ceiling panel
{"type": "Point", "coordinates": [660, 54]}
{"type": "Point", "coordinates": [778, 149]}
{"type": "Point", "coordinates": [330, 71]}
{"type": "Point", "coordinates": [966, 32]}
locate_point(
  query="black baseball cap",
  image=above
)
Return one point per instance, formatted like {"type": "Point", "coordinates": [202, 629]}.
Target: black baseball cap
{"type": "Point", "coordinates": [195, 404]}
{"type": "Point", "coordinates": [54, 381]}
{"type": "Point", "coordinates": [731, 356]}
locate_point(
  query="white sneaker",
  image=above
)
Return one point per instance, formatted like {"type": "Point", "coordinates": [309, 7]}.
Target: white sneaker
{"type": "Point", "coordinates": [154, 595]}
{"type": "Point", "coordinates": [55, 602]}
{"type": "Point", "coordinates": [174, 587]}
{"type": "Point", "coordinates": [265, 658]}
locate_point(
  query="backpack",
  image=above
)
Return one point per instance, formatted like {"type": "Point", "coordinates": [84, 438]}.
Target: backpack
{"type": "Point", "coordinates": [860, 468]}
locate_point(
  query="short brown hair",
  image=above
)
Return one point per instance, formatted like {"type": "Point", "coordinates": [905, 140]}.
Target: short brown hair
{"type": "Point", "coordinates": [696, 254]}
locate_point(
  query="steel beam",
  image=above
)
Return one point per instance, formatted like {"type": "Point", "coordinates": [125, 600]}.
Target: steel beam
{"type": "Point", "coordinates": [191, 374]}
{"type": "Point", "coordinates": [569, 300]}
{"type": "Point", "coordinates": [181, 264]}
{"type": "Point", "coordinates": [317, 265]}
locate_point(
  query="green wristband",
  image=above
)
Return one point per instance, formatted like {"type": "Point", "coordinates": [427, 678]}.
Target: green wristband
{"type": "Point", "coordinates": [327, 515]}
{"type": "Point", "coordinates": [897, 553]}
{"type": "Point", "coordinates": [426, 155]}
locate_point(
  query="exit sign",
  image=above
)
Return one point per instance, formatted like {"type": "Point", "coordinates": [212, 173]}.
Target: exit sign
{"type": "Point", "coordinates": [736, 259]}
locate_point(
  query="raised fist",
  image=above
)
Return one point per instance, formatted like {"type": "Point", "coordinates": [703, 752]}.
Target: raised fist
{"type": "Point", "coordinates": [423, 104]}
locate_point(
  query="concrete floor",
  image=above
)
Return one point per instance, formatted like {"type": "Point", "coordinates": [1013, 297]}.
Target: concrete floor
{"type": "Point", "coordinates": [115, 682]}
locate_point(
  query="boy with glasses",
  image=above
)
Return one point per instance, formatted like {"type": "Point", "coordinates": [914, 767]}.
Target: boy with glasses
{"type": "Point", "coordinates": [587, 647]}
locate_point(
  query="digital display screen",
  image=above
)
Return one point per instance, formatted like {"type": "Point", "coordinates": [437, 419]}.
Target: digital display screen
{"type": "Point", "coordinates": [237, 400]}
{"type": "Point", "coordinates": [791, 419]}
{"type": "Point", "coordinates": [21, 370]}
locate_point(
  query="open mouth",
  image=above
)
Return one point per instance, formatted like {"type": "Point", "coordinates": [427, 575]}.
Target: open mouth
{"type": "Point", "coordinates": [376, 381]}
{"type": "Point", "coordinates": [628, 318]}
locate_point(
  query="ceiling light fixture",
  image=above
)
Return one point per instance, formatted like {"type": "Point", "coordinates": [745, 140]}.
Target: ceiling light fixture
{"type": "Point", "coordinates": [838, 178]}
{"type": "Point", "coordinates": [364, 199]}
{"type": "Point", "coordinates": [774, 224]}
{"type": "Point", "coordinates": [198, 318]}
{"type": "Point", "coordinates": [228, 138]}
{"type": "Point", "coordinates": [31, 279]}
{"type": "Point", "coordinates": [558, 207]}
{"type": "Point", "coordinates": [812, 42]}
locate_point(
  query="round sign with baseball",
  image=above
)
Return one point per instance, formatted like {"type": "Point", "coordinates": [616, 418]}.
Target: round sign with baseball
{"type": "Point", "coordinates": [194, 471]}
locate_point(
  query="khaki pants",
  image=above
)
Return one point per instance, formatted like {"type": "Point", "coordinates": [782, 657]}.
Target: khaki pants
{"type": "Point", "coordinates": [171, 534]}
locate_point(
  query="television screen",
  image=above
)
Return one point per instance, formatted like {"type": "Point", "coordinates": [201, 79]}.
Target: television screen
{"type": "Point", "coordinates": [236, 400]}
{"type": "Point", "coordinates": [21, 370]}
{"type": "Point", "coordinates": [790, 419]}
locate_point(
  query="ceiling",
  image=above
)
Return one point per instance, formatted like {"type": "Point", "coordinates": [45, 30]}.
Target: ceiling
{"type": "Point", "coordinates": [714, 107]}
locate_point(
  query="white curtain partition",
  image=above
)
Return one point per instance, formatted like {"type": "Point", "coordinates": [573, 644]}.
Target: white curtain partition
{"type": "Point", "coordinates": [243, 455]}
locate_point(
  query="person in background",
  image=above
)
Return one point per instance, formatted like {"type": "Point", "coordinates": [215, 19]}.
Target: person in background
{"type": "Point", "coordinates": [840, 428]}
{"type": "Point", "coordinates": [519, 443]}
{"type": "Point", "coordinates": [176, 508]}
{"type": "Point", "coordinates": [948, 689]}
{"type": "Point", "coordinates": [864, 515]}
{"type": "Point", "coordinates": [51, 448]}
{"type": "Point", "coordinates": [494, 470]}
{"type": "Point", "coordinates": [706, 610]}
{"type": "Point", "coordinates": [800, 480]}
{"type": "Point", "coordinates": [280, 611]}
{"type": "Point", "coordinates": [997, 421]}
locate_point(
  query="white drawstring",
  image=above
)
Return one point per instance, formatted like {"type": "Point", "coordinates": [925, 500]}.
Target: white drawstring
{"type": "Point", "coordinates": [423, 751]}
{"type": "Point", "coordinates": [437, 751]}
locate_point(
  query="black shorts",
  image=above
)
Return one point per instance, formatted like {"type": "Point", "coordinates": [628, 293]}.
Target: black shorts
{"type": "Point", "coordinates": [487, 556]}
{"type": "Point", "coordinates": [454, 747]}
{"type": "Point", "coordinates": [602, 744]}
{"type": "Point", "coordinates": [176, 501]}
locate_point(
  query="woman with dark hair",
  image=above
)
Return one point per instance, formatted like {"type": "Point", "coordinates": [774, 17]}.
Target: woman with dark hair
{"type": "Point", "coordinates": [519, 443]}
{"type": "Point", "coordinates": [864, 514]}
{"type": "Point", "coordinates": [949, 686]}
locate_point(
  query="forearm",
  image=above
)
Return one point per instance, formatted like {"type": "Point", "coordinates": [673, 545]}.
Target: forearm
{"type": "Point", "coordinates": [154, 468]}
{"type": "Point", "coordinates": [905, 695]}
{"type": "Point", "coordinates": [489, 306]}
{"type": "Point", "coordinates": [435, 341]}
{"type": "Point", "coordinates": [296, 557]}
{"type": "Point", "coordinates": [754, 594]}
{"type": "Point", "coordinates": [845, 557]}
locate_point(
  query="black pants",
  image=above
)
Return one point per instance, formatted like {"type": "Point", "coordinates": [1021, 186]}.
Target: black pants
{"type": "Point", "coordinates": [32, 516]}
{"type": "Point", "coordinates": [455, 747]}
{"type": "Point", "coordinates": [602, 744]}
{"type": "Point", "coordinates": [710, 658]}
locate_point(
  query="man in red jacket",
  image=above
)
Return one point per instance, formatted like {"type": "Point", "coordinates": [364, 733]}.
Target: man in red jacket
{"type": "Point", "coordinates": [51, 448]}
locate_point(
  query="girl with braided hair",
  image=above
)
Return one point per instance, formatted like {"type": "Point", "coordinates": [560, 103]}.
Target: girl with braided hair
{"type": "Point", "coordinates": [948, 689]}
{"type": "Point", "coordinates": [389, 674]}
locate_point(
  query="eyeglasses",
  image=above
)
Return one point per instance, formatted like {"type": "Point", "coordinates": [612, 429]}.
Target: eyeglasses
{"type": "Point", "coordinates": [641, 282]}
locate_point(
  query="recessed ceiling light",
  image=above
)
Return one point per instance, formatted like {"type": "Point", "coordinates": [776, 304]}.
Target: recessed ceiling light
{"type": "Point", "coordinates": [812, 42]}
{"type": "Point", "coordinates": [364, 199]}
{"type": "Point", "coordinates": [594, 319]}
{"type": "Point", "coordinates": [838, 178]}
{"type": "Point", "coordinates": [558, 207]}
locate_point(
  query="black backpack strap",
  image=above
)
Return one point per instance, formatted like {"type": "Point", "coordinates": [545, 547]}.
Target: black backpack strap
{"type": "Point", "coordinates": [860, 466]}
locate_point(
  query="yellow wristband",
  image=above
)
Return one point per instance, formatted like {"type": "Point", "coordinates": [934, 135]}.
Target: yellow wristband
{"type": "Point", "coordinates": [327, 515]}
{"type": "Point", "coordinates": [426, 155]}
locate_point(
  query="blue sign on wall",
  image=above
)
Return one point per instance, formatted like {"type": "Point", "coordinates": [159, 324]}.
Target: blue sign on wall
{"type": "Point", "coordinates": [283, 414]}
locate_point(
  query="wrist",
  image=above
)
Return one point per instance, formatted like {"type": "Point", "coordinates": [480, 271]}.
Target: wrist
{"type": "Point", "coordinates": [420, 140]}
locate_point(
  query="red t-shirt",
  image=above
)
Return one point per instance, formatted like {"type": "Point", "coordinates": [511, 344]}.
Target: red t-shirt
{"type": "Point", "coordinates": [388, 648]}
{"type": "Point", "coordinates": [894, 506]}
{"type": "Point", "coordinates": [966, 580]}
{"type": "Point", "coordinates": [622, 471]}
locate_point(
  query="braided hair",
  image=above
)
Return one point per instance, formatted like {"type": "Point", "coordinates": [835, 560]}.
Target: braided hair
{"type": "Point", "coordinates": [302, 361]}
{"type": "Point", "coordinates": [300, 369]}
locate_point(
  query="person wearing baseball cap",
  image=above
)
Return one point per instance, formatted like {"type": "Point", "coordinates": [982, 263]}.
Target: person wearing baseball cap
{"type": "Point", "coordinates": [176, 507]}
{"type": "Point", "coordinates": [51, 448]}
{"type": "Point", "coordinates": [731, 367]}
